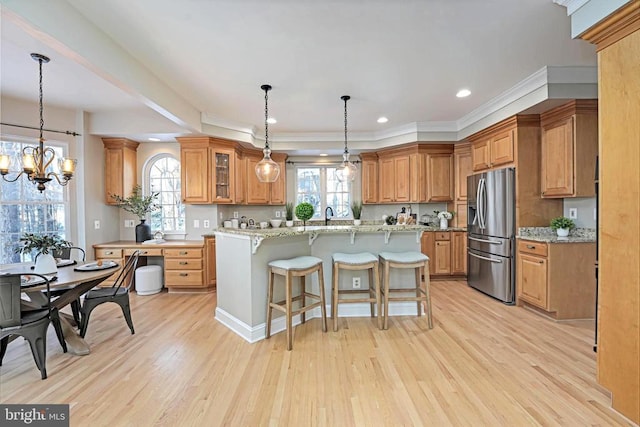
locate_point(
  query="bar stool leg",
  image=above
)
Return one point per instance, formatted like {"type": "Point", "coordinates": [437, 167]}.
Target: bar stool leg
{"type": "Point", "coordinates": [427, 285]}
{"type": "Point", "coordinates": [371, 291]}
{"type": "Point", "coordinates": [418, 290]}
{"type": "Point", "coordinates": [269, 301]}
{"type": "Point", "coordinates": [386, 294]}
{"type": "Point", "coordinates": [323, 305]}
{"type": "Point", "coordinates": [376, 283]}
{"type": "Point", "coordinates": [288, 303]}
{"type": "Point", "coordinates": [303, 289]}
{"type": "Point", "coordinates": [334, 296]}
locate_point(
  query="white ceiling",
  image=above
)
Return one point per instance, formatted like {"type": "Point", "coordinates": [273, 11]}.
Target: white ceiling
{"type": "Point", "coordinates": [194, 60]}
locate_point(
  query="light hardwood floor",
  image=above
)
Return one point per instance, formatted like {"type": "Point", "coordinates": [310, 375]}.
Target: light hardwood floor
{"type": "Point", "coordinates": [483, 364]}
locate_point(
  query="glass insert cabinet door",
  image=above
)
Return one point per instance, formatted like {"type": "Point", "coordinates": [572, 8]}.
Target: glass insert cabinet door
{"type": "Point", "coordinates": [222, 176]}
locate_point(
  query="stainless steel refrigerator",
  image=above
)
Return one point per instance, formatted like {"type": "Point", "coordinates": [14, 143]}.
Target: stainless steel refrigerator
{"type": "Point", "coordinates": [491, 205]}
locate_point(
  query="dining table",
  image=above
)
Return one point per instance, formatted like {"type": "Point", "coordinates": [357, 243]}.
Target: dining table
{"type": "Point", "coordinates": [76, 279]}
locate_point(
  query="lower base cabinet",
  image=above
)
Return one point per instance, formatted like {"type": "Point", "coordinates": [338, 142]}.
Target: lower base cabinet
{"type": "Point", "coordinates": [447, 252]}
{"type": "Point", "coordinates": [557, 279]}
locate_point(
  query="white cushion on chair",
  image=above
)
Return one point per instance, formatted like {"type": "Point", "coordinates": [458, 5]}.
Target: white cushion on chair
{"type": "Point", "coordinates": [404, 257]}
{"type": "Point", "coordinates": [354, 259]}
{"type": "Point", "coordinates": [298, 263]}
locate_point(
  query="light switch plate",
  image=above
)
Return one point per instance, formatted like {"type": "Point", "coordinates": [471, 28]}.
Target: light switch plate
{"type": "Point", "coordinates": [573, 213]}
{"type": "Point", "coordinates": [235, 214]}
{"type": "Point", "coordinates": [205, 223]}
{"type": "Point", "coordinates": [277, 214]}
{"type": "Point", "coordinates": [96, 224]}
{"type": "Point", "coordinates": [196, 223]}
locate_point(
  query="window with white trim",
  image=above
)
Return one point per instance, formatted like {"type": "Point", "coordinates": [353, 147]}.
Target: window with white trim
{"type": "Point", "coordinates": [319, 186]}
{"type": "Point", "coordinates": [24, 209]}
{"type": "Point", "coordinates": [163, 176]}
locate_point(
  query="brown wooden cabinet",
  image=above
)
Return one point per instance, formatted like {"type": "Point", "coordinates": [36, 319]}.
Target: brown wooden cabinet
{"type": "Point", "coordinates": [557, 278]}
{"type": "Point", "coordinates": [194, 173]}
{"type": "Point", "coordinates": [264, 193]}
{"type": "Point", "coordinates": [493, 151]}
{"type": "Point", "coordinates": [440, 177]}
{"type": "Point", "coordinates": [241, 179]}
{"type": "Point", "coordinates": [222, 163]}
{"type": "Point", "coordinates": [210, 261]}
{"type": "Point", "coordinates": [462, 169]}
{"type": "Point", "coordinates": [447, 252]}
{"type": "Point", "coordinates": [120, 157]}
{"type": "Point", "coordinates": [569, 149]}
{"type": "Point", "coordinates": [369, 177]}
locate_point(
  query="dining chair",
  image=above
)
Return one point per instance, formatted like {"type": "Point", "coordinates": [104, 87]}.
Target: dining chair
{"type": "Point", "coordinates": [78, 254]}
{"type": "Point", "coordinates": [118, 293]}
{"type": "Point", "coordinates": [32, 324]}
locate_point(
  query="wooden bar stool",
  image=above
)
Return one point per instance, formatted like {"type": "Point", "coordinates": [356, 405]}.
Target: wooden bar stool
{"type": "Point", "coordinates": [290, 268]}
{"type": "Point", "coordinates": [355, 262]}
{"type": "Point", "coordinates": [417, 261]}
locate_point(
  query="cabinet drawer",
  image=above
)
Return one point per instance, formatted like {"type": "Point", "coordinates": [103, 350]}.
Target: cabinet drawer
{"type": "Point", "coordinates": [183, 253]}
{"type": "Point", "coordinates": [108, 253]}
{"type": "Point", "coordinates": [144, 252]}
{"type": "Point", "coordinates": [442, 235]}
{"type": "Point", "coordinates": [531, 247]}
{"type": "Point", "coordinates": [186, 278]}
{"type": "Point", "coordinates": [183, 264]}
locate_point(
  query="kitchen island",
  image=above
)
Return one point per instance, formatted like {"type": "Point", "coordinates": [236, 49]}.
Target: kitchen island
{"type": "Point", "coordinates": [242, 256]}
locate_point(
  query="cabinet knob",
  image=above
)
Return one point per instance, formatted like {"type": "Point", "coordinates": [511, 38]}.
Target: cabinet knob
{"type": "Point", "coordinates": [183, 262]}
{"type": "Point", "coordinates": [540, 262]}
{"type": "Point", "coordinates": [183, 252]}
{"type": "Point", "coordinates": [184, 274]}
{"type": "Point", "coordinates": [109, 253]}
{"type": "Point", "coordinates": [530, 247]}
{"type": "Point", "coordinates": [143, 252]}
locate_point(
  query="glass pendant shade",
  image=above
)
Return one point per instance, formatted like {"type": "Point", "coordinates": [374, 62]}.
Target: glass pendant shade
{"type": "Point", "coordinates": [267, 170]}
{"type": "Point", "coordinates": [346, 172]}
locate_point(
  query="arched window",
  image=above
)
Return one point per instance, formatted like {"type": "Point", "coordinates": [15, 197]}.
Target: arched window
{"type": "Point", "coordinates": [163, 173]}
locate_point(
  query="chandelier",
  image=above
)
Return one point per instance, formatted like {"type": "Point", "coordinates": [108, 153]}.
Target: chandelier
{"type": "Point", "coordinates": [346, 172]}
{"type": "Point", "coordinates": [36, 160]}
{"type": "Point", "coordinates": [267, 170]}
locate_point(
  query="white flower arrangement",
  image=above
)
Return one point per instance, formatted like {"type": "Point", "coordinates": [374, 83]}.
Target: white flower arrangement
{"type": "Point", "coordinates": [445, 215]}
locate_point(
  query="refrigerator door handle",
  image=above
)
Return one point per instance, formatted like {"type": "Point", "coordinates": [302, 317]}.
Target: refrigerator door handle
{"type": "Point", "coordinates": [476, 216]}
{"type": "Point", "coordinates": [481, 203]}
{"type": "Point", "coordinates": [491, 242]}
{"type": "Point", "coordinates": [496, 261]}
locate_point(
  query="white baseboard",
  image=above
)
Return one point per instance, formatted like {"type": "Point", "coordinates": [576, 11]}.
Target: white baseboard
{"type": "Point", "coordinates": [257, 333]}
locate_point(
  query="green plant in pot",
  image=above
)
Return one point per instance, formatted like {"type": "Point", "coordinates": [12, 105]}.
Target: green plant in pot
{"type": "Point", "coordinates": [289, 214]}
{"type": "Point", "coordinates": [562, 225]}
{"type": "Point", "coordinates": [356, 210]}
{"type": "Point", "coordinates": [304, 212]}
{"type": "Point", "coordinates": [44, 245]}
{"type": "Point", "coordinates": [139, 205]}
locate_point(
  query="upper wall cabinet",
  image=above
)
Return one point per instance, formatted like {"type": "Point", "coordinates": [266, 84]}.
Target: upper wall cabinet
{"type": "Point", "coordinates": [569, 149]}
{"type": "Point", "coordinates": [415, 173]}
{"type": "Point", "coordinates": [120, 167]}
{"type": "Point", "coordinates": [493, 151]}
{"type": "Point", "coordinates": [264, 193]}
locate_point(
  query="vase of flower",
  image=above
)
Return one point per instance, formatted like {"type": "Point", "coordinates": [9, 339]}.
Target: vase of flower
{"type": "Point", "coordinates": [143, 231]}
{"type": "Point", "coordinates": [140, 206]}
{"type": "Point", "coordinates": [444, 223]}
{"type": "Point", "coordinates": [43, 245]}
{"type": "Point", "coordinates": [444, 217]}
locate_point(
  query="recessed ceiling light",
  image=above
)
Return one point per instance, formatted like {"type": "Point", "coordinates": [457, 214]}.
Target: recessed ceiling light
{"type": "Point", "coordinates": [272, 121]}
{"type": "Point", "coordinates": [463, 93]}
{"type": "Point", "coordinates": [154, 139]}
{"type": "Point", "coordinates": [382, 120]}
{"type": "Point", "coordinates": [323, 154]}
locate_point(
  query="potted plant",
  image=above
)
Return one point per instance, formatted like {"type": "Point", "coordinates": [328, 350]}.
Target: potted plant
{"type": "Point", "coordinates": [140, 206]}
{"type": "Point", "coordinates": [43, 245]}
{"type": "Point", "coordinates": [561, 225]}
{"type": "Point", "coordinates": [356, 209]}
{"type": "Point", "coordinates": [304, 212]}
{"type": "Point", "coordinates": [289, 214]}
{"type": "Point", "coordinates": [444, 217]}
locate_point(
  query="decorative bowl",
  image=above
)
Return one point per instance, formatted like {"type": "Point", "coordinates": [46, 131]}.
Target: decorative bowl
{"type": "Point", "coordinates": [275, 223]}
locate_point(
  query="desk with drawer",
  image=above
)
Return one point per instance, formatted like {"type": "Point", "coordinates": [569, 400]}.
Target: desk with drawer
{"type": "Point", "coordinates": [184, 266]}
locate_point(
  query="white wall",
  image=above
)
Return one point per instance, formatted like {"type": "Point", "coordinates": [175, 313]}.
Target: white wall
{"type": "Point", "coordinates": [586, 208]}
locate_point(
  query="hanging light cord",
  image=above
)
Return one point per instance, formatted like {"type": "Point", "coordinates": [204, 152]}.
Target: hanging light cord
{"type": "Point", "coordinates": [40, 100]}
{"type": "Point", "coordinates": [345, 98]}
{"type": "Point", "coordinates": [266, 116]}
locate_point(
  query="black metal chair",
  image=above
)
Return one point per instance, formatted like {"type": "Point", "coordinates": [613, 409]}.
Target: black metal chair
{"type": "Point", "coordinates": [32, 324]}
{"type": "Point", "coordinates": [66, 253]}
{"type": "Point", "coordinates": [118, 293]}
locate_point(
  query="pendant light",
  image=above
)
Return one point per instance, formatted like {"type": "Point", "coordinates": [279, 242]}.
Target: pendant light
{"type": "Point", "coordinates": [36, 160]}
{"type": "Point", "coordinates": [267, 170]}
{"type": "Point", "coordinates": [346, 172]}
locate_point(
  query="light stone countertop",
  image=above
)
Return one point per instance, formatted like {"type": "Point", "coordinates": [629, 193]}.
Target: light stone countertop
{"type": "Point", "coordinates": [546, 234]}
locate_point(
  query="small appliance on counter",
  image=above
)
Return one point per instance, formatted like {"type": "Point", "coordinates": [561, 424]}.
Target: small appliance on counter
{"type": "Point", "coordinates": [430, 220]}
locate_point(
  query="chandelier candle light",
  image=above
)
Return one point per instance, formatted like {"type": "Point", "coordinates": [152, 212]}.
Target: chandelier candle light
{"type": "Point", "coordinates": [36, 160]}
{"type": "Point", "coordinates": [346, 172]}
{"type": "Point", "coordinates": [267, 170]}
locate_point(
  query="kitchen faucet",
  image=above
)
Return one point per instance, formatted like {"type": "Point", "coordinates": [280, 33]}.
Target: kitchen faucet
{"type": "Point", "coordinates": [328, 211]}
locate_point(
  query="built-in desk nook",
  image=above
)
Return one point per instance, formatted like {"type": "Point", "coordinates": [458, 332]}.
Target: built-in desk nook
{"type": "Point", "coordinates": [184, 262]}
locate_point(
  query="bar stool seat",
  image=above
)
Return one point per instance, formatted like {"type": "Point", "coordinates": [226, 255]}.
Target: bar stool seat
{"type": "Point", "coordinates": [411, 259]}
{"type": "Point", "coordinates": [355, 262]}
{"type": "Point", "coordinates": [290, 268]}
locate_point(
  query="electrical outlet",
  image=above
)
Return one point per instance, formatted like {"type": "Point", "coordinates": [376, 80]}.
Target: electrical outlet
{"type": "Point", "coordinates": [573, 213]}
{"type": "Point", "coordinates": [221, 216]}
{"type": "Point", "coordinates": [205, 223]}
{"type": "Point", "coordinates": [277, 214]}
{"type": "Point", "coordinates": [235, 214]}
{"type": "Point", "coordinates": [96, 224]}
{"type": "Point", "coordinates": [356, 283]}
{"type": "Point", "coordinates": [128, 223]}
{"type": "Point", "coordinates": [196, 223]}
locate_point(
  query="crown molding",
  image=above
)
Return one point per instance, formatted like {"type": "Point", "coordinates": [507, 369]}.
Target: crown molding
{"type": "Point", "coordinates": [571, 5]}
